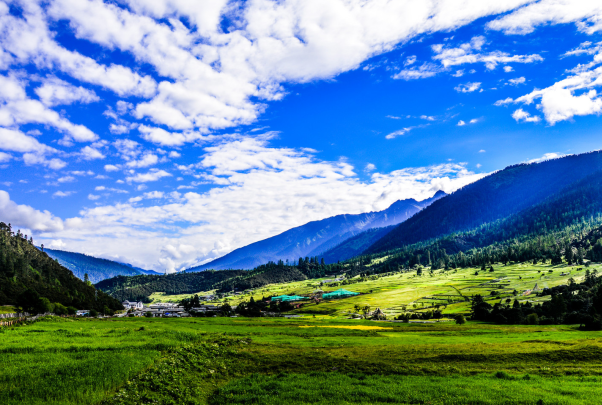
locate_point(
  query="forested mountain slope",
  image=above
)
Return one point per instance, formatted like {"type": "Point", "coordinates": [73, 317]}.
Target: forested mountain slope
{"type": "Point", "coordinates": [355, 245]}
{"type": "Point", "coordinates": [567, 224]}
{"type": "Point", "coordinates": [97, 269]}
{"type": "Point", "coordinates": [136, 288]}
{"type": "Point", "coordinates": [494, 197]}
{"type": "Point", "coordinates": [28, 274]}
{"type": "Point", "coordinates": [316, 237]}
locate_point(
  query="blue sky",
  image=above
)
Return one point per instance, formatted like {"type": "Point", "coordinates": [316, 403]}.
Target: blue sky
{"type": "Point", "coordinates": [166, 133]}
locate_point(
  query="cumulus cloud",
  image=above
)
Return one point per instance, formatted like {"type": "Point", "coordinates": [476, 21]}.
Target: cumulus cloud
{"type": "Point", "coordinates": [295, 188]}
{"type": "Point", "coordinates": [89, 153]}
{"type": "Point", "coordinates": [461, 123]}
{"type": "Point", "coordinates": [63, 193]}
{"type": "Point", "coordinates": [152, 175]}
{"type": "Point", "coordinates": [26, 216]}
{"type": "Point", "coordinates": [111, 168]}
{"type": "Point", "coordinates": [55, 91]}
{"type": "Point", "coordinates": [148, 159]}
{"type": "Point", "coordinates": [16, 109]}
{"type": "Point", "coordinates": [521, 115]}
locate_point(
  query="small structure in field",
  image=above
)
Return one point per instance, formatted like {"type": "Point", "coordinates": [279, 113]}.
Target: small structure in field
{"type": "Point", "coordinates": [340, 293]}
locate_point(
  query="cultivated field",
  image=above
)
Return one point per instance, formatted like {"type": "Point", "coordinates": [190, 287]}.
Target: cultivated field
{"type": "Point", "coordinates": [298, 361]}
{"type": "Point", "coordinates": [447, 289]}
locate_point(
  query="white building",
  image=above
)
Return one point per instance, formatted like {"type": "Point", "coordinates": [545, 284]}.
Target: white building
{"type": "Point", "coordinates": [132, 305]}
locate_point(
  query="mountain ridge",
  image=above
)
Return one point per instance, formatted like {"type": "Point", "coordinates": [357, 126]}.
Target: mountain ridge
{"type": "Point", "coordinates": [315, 237]}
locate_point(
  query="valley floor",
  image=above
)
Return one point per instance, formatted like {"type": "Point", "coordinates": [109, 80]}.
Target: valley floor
{"type": "Point", "coordinates": [402, 292]}
{"type": "Point", "coordinates": [305, 360]}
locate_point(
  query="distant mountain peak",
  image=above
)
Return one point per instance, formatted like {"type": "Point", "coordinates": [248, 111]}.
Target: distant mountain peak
{"type": "Point", "coordinates": [316, 237]}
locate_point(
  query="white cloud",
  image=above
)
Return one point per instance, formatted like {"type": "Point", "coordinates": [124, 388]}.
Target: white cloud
{"type": "Point", "coordinates": [93, 197]}
{"type": "Point", "coordinates": [546, 156]}
{"type": "Point", "coordinates": [174, 154]}
{"type": "Point", "coordinates": [473, 121]}
{"type": "Point", "coordinates": [459, 73]}
{"type": "Point", "coordinates": [504, 101]}
{"type": "Point", "coordinates": [5, 157]}
{"type": "Point", "coordinates": [162, 137]}
{"type": "Point", "coordinates": [88, 153]}
{"type": "Point", "coordinates": [586, 14]}
{"type": "Point", "coordinates": [147, 160]}
{"type": "Point", "coordinates": [508, 69]}
{"type": "Point", "coordinates": [111, 168]}
{"type": "Point", "coordinates": [482, 151]}
{"type": "Point", "coordinates": [99, 188]}
{"type": "Point", "coordinates": [478, 165]}
{"type": "Point", "coordinates": [467, 87]}
{"type": "Point", "coordinates": [295, 188]}
{"type": "Point", "coordinates": [399, 132]}
{"type": "Point", "coordinates": [39, 159]}
{"type": "Point", "coordinates": [26, 216]}
{"type": "Point", "coordinates": [423, 71]}
{"type": "Point", "coordinates": [17, 141]}
{"type": "Point", "coordinates": [16, 108]}
{"type": "Point", "coordinates": [461, 123]}
{"type": "Point", "coordinates": [57, 244]}
{"type": "Point", "coordinates": [63, 193]}
{"type": "Point", "coordinates": [370, 167]}
{"type": "Point", "coordinates": [55, 91]}
{"type": "Point", "coordinates": [410, 60]}
{"type": "Point", "coordinates": [152, 195]}
{"type": "Point", "coordinates": [152, 175]}
{"type": "Point", "coordinates": [560, 102]}
{"type": "Point", "coordinates": [517, 81]}
{"type": "Point", "coordinates": [66, 179]}
{"type": "Point", "coordinates": [470, 52]}
{"type": "Point", "coordinates": [520, 115]}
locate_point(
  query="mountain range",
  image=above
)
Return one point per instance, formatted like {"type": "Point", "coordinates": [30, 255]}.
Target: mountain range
{"type": "Point", "coordinates": [495, 197]}
{"type": "Point", "coordinates": [96, 268]}
{"type": "Point", "coordinates": [317, 237]}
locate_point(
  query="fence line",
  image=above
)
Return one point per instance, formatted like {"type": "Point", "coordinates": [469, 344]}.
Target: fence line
{"type": "Point", "coordinates": [14, 315]}
{"type": "Point", "coordinates": [23, 319]}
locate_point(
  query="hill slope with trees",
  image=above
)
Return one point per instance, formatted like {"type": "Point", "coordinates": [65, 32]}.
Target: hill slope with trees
{"type": "Point", "coordinates": [35, 282]}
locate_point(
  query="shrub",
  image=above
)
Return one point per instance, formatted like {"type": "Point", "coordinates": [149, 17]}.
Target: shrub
{"type": "Point", "coordinates": [71, 310]}
{"type": "Point", "coordinates": [460, 320]}
{"type": "Point", "coordinates": [60, 309]}
{"type": "Point", "coordinates": [532, 319]}
{"type": "Point", "coordinates": [93, 313]}
{"type": "Point", "coordinates": [148, 314]}
{"type": "Point", "coordinates": [502, 375]}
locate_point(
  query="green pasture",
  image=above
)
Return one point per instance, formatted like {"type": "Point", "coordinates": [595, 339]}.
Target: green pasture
{"type": "Point", "coordinates": [7, 309]}
{"type": "Point", "coordinates": [298, 361]}
{"type": "Point", "coordinates": [447, 289]}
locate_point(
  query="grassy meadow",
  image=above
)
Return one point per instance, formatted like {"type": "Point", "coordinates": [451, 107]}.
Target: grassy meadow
{"type": "Point", "coordinates": [298, 361]}
{"type": "Point", "coordinates": [392, 294]}
{"type": "Point", "coordinates": [322, 357]}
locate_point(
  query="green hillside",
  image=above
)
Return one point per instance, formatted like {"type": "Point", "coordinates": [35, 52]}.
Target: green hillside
{"type": "Point", "coordinates": [31, 279]}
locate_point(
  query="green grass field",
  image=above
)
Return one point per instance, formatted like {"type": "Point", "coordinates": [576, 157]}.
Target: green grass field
{"type": "Point", "coordinates": [393, 293]}
{"type": "Point", "coordinates": [321, 358]}
{"type": "Point", "coordinates": [298, 361]}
